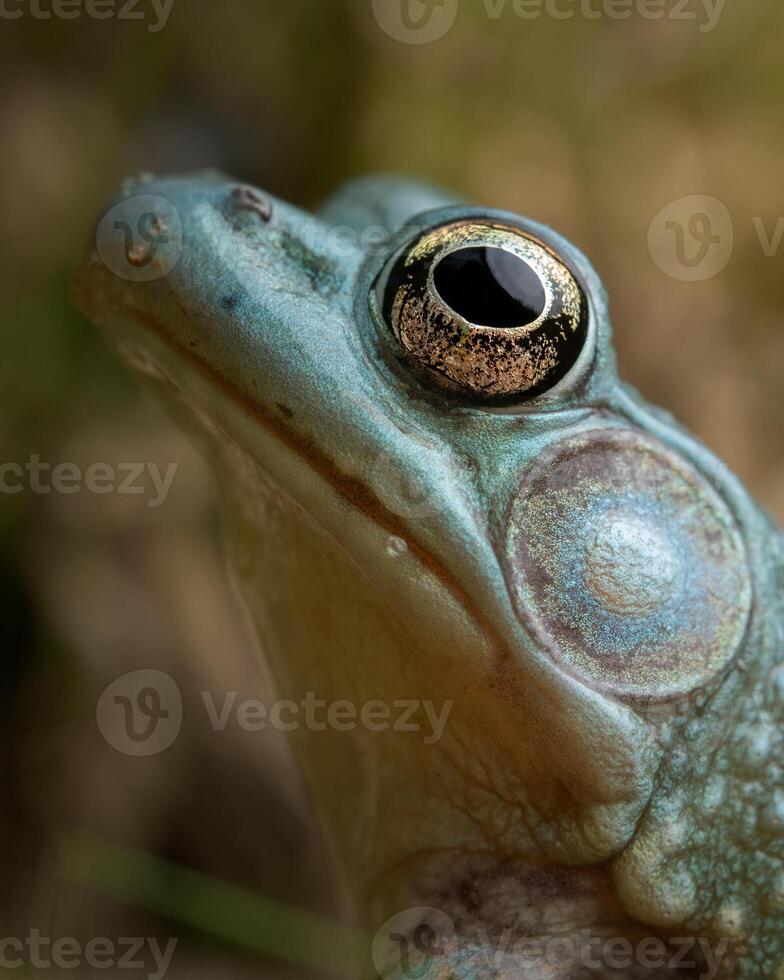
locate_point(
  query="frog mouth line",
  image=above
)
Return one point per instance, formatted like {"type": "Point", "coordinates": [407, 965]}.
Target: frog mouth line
{"type": "Point", "coordinates": [175, 342]}
{"type": "Point", "coordinates": [350, 488]}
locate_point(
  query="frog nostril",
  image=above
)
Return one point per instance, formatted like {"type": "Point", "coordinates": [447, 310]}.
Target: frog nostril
{"type": "Point", "coordinates": [246, 198]}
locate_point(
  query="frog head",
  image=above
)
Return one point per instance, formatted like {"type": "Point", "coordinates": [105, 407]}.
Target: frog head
{"type": "Point", "coordinates": [551, 620]}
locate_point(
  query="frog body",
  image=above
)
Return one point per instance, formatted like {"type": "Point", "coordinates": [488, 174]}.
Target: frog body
{"type": "Point", "coordinates": [479, 517]}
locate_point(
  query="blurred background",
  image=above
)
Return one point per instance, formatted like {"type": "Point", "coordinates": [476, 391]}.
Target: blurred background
{"type": "Point", "coordinates": [591, 125]}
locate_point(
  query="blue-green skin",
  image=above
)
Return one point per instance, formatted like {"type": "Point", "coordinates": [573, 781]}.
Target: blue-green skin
{"type": "Point", "coordinates": [265, 328]}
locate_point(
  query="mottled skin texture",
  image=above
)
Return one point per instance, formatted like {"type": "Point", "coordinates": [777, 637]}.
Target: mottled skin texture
{"type": "Point", "coordinates": [376, 533]}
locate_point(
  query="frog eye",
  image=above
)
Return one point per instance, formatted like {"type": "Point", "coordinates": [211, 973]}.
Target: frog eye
{"type": "Point", "coordinates": [485, 311]}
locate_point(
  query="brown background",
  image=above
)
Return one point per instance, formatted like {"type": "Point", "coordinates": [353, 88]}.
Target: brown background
{"type": "Point", "coordinates": [591, 126]}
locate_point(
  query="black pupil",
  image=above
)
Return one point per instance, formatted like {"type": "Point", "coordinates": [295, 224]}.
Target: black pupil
{"type": "Point", "coordinates": [490, 287]}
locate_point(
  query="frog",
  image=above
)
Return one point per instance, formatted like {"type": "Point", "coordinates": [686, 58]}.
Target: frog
{"type": "Point", "coordinates": [440, 494]}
